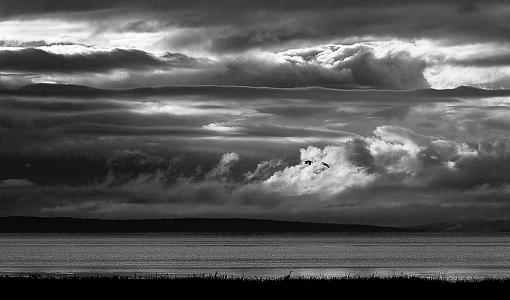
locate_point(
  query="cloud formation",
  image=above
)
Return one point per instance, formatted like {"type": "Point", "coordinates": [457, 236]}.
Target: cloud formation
{"type": "Point", "coordinates": [358, 63]}
{"type": "Point", "coordinates": [328, 66]}
{"type": "Point", "coordinates": [394, 170]}
{"type": "Point", "coordinates": [37, 60]}
{"type": "Point", "coordinates": [210, 108]}
{"type": "Point", "coordinates": [343, 44]}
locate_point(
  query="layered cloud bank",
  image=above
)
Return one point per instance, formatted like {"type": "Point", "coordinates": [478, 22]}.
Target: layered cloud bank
{"type": "Point", "coordinates": [386, 64]}
{"type": "Point", "coordinates": [353, 65]}
{"type": "Point", "coordinates": [380, 157]}
{"type": "Point", "coordinates": [394, 177]}
{"type": "Point", "coordinates": [345, 111]}
{"type": "Point", "coordinates": [342, 44]}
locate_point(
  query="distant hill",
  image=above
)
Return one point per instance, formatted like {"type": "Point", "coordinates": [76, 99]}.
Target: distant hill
{"type": "Point", "coordinates": [69, 90]}
{"type": "Point", "coordinates": [192, 225]}
{"type": "Point", "coordinates": [467, 226]}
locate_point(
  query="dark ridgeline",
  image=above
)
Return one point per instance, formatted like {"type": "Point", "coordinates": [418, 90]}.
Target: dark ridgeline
{"type": "Point", "coordinates": [230, 225]}
{"type": "Point", "coordinates": [70, 90]}
{"type": "Point", "coordinates": [466, 226]}
{"type": "Point", "coordinates": [190, 225]}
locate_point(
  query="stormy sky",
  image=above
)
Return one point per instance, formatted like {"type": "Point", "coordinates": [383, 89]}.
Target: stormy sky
{"type": "Point", "coordinates": [152, 109]}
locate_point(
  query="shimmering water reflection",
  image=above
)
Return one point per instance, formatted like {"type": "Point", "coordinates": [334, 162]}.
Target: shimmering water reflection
{"type": "Point", "coordinates": [325, 255]}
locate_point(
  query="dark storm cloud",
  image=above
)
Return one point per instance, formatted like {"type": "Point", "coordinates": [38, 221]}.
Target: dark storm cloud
{"type": "Point", "coordinates": [100, 129]}
{"type": "Point", "coordinates": [179, 59]}
{"type": "Point", "coordinates": [139, 187]}
{"type": "Point", "coordinates": [37, 60]}
{"type": "Point", "coordinates": [296, 110]}
{"type": "Point", "coordinates": [69, 117]}
{"type": "Point", "coordinates": [230, 26]}
{"type": "Point", "coordinates": [59, 106]}
{"type": "Point", "coordinates": [31, 123]}
{"type": "Point", "coordinates": [118, 120]}
{"type": "Point", "coordinates": [398, 71]}
{"type": "Point", "coordinates": [392, 113]}
{"type": "Point", "coordinates": [128, 164]}
{"type": "Point", "coordinates": [105, 117]}
{"type": "Point", "coordinates": [52, 167]}
{"type": "Point", "coordinates": [357, 67]}
{"type": "Point", "coordinates": [65, 119]}
{"type": "Point", "coordinates": [139, 26]}
{"type": "Point", "coordinates": [360, 156]}
{"type": "Point", "coordinates": [484, 61]}
{"type": "Point", "coordinates": [50, 117]}
{"type": "Point", "coordinates": [259, 25]}
{"type": "Point", "coordinates": [239, 94]}
{"type": "Point", "coordinates": [255, 39]}
{"type": "Point", "coordinates": [12, 7]}
{"type": "Point", "coordinates": [488, 171]}
{"type": "Point", "coordinates": [362, 69]}
{"type": "Point", "coordinates": [288, 131]}
{"type": "Point", "coordinates": [97, 123]}
{"type": "Point", "coordinates": [497, 123]}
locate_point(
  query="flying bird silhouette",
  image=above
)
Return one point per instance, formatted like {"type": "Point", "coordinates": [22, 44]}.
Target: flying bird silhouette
{"type": "Point", "coordinates": [325, 164]}
{"type": "Point", "coordinates": [308, 162]}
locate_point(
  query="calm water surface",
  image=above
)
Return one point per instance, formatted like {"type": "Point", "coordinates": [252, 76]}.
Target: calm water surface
{"type": "Point", "coordinates": [382, 255]}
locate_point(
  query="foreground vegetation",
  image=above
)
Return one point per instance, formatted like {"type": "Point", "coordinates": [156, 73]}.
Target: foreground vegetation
{"type": "Point", "coordinates": [227, 286]}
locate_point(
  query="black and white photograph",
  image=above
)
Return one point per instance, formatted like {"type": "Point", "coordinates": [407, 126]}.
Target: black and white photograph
{"type": "Point", "coordinates": [233, 147]}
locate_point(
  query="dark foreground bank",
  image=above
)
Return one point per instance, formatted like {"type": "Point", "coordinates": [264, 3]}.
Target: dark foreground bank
{"type": "Point", "coordinates": [226, 287]}
{"type": "Point", "coordinates": [186, 225]}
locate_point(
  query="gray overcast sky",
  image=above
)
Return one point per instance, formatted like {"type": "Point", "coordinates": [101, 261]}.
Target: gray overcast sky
{"type": "Point", "coordinates": [210, 108]}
